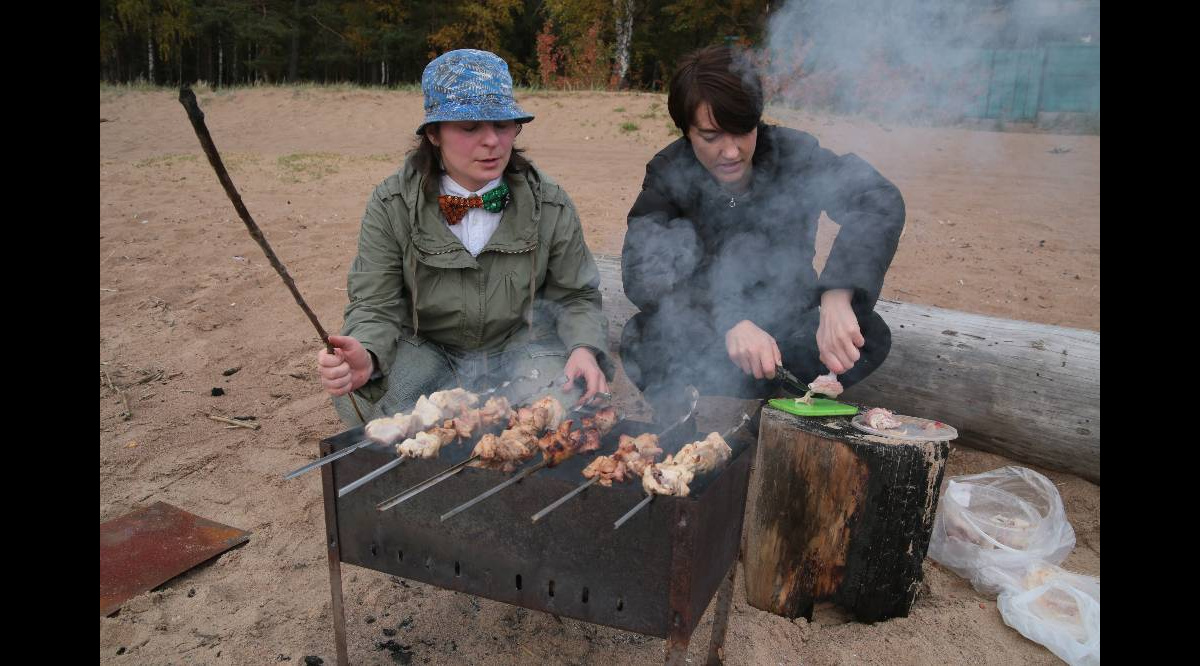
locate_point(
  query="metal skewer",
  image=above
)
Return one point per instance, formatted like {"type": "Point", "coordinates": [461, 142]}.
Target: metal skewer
{"type": "Point", "coordinates": [693, 396]}
{"type": "Point", "coordinates": [649, 498]}
{"type": "Point", "coordinates": [424, 485]}
{"type": "Point", "coordinates": [463, 507]}
{"type": "Point", "coordinates": [328, 459]}
{"type": "Point", "coordinates": [350, 487]}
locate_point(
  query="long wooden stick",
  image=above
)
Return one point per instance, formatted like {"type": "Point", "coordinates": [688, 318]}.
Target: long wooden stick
{"type": "Point", "coordinates": [188, 99]}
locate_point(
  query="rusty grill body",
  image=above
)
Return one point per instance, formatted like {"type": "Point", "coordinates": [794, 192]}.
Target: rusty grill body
{"type": "Point", "coordinates": [654, 576]}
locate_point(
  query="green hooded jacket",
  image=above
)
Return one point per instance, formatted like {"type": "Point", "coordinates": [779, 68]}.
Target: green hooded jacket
{"type": "Point", "coordinates": [534, 282]}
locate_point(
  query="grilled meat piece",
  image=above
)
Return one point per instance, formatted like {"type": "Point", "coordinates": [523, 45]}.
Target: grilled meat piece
{"type": "Point", "coordinates": [608, 468]}
{"type": "Point", "coordinates": [506, 450]}
{"type": "Point", "coordinates": [390, 429]}
{"type": "Point", "coordinates": [426, 414]}
{"type": "Point", "coordinates": [425, 444]}
{"type": "Point", "coordinates": [494, 412]}
{"type": "Point", "coordinates": [453, 401]}
{"type": "Point", "coordinates": [637, 452]}
{"type": "Point", "coordinates": [672, 476]}
{"type": "Point", "coordinates": [703, 456]}
{"type": "Point", "coordinates": [667, 479]}
{"type": "Point", "coordinates": [603, 419]}
{"type": "Point", "coordinates": [630, 460]}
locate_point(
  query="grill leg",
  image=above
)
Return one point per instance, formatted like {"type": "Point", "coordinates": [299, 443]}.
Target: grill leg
{"type": "Point", "coordinates": [329, 490]}
{"type": "Point", "coordinates": [716, 644]}
{"type": "Point", "coordinates": [677, 650]}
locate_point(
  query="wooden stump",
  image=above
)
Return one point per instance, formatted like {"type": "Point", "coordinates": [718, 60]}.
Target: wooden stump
{"type": "Point", "coordinates": [834, 514]}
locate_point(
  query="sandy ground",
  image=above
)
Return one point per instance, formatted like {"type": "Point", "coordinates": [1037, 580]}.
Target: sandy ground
{"type": "Point", "coordinates": [999, 224]}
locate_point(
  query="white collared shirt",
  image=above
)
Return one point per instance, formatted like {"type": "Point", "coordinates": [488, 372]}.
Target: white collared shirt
{"type": "Point", "coordinates": [478, 225]}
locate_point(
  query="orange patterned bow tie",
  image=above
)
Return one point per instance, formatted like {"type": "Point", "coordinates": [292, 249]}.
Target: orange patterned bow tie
{"type": "Point", "coordinates": [454, 208]}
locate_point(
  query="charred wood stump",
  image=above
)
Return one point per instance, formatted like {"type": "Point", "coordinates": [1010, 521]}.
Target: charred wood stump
{"type": "Point", "coordinates": [834, 514]}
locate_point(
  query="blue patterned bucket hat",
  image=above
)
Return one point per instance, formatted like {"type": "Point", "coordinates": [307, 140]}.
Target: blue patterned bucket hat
{"type": "Point", "coordinates": [469, 85]}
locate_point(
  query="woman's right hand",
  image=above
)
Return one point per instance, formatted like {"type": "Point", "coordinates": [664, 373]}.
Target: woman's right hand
{"type": "Point", "coordinates": [347, 368]}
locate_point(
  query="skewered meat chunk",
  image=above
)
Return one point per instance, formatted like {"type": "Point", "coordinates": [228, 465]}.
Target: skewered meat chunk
{"type": "Point", "coordinates": [545, 414]}
{"type": "Point", "coordinates": [881, 419]}
{"type": "Point", "coordinates": [494, 412]}
{"type": "Point", "coordinates": [703, 456]}
{"type": "Point", "coordinates": [630, 460]}
{"type": "Point", "coordinates": [425, 444]}
{"type": "Point", "coordinates": [608, 468]}
{"type": "Point", "coordinates": [453, 401]}
{"type": "Point", "coordinates": [506, 450]}
{"type": "Point", "coordinates": [637, 452]}
{"type": "Point", "coordinates": [603, 419]}
{"type": "Point", "coordinates": [826, 385]}
{"type": "Point", "coordinates": [464, 424]}
{"type": "Point", "coordinates": [389, 429]}
{"type": "Point", "coordinates": [673, 475]}
{"type": "Point", "coordinates": [667, 479]}
{"type": "Point", "coordinates": [426, 414]}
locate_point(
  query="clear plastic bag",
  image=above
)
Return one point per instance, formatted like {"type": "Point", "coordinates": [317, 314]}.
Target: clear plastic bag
{"type": "Point", "coordinates": [1005, 530]}
{"type": "Point", "coordinates": [1057, 608]}
{"type": "Point", "coordinates": [1003, 519]}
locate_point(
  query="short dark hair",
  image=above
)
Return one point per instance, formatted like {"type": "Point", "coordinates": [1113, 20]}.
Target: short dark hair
{"type": "Point", "coordinates": [724, 78]}
{"type": "Point", "coordinates": [428, 163]}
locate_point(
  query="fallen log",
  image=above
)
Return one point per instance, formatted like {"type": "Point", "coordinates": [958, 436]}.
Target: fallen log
{"type": "Point", "coordinates": [1027, 391]}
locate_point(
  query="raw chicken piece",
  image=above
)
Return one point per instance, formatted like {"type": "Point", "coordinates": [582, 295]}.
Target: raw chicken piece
{"type": "Point", "coordinates": [881, 419]}
{"type": "Point", "coordinates": [826, 385]}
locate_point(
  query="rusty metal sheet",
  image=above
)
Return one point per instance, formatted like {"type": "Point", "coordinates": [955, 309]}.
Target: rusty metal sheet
{"type": "Point", "coordinates": [150, 546]}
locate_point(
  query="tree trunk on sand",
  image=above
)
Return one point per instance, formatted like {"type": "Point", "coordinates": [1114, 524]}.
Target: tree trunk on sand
{"type": "Point", "coordinates": [294, 58]}
{"type": "Point", "coordinates": [837, 515]}
{"type": "Point", "coordinates": [624, 21]}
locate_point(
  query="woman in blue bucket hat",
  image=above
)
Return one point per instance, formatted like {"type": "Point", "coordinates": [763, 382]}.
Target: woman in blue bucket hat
{"type": "Point", "coordinates": [472, 268]}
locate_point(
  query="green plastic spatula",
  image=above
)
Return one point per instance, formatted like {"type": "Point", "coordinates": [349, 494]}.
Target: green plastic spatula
{"type": "Point", "coordinates": [819, 407]}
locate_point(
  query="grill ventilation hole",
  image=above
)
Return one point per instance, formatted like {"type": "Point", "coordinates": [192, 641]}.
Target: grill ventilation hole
{"type": "Point", "coordinates": [400, 555]}
{"type": "Point", "coordinates": [585, 595]}
{"type": "Point", "coordinates": [428, 562]}
{"type": "Point", "coordinates": [374, 549]}
{"type": "Point", "coordinates": [457, 570]}
{"type": "Point", "coordinates": [620, 604]}
{"type": "Point", "coordinates": [551, 590]}
{"type": "Point", "coordinates": [678, 619]}
{"type": "Point", "coordinates": [518, 581]}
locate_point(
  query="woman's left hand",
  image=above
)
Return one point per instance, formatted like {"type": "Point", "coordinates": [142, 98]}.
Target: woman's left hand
{"type": "Point", "coordinates": [582, 363]}
{"type": "Point", "coordinates": [838, 334]}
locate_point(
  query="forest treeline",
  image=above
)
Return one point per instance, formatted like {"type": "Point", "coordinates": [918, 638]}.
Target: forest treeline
{"type": "Point", "coordinates": [550, 43]}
